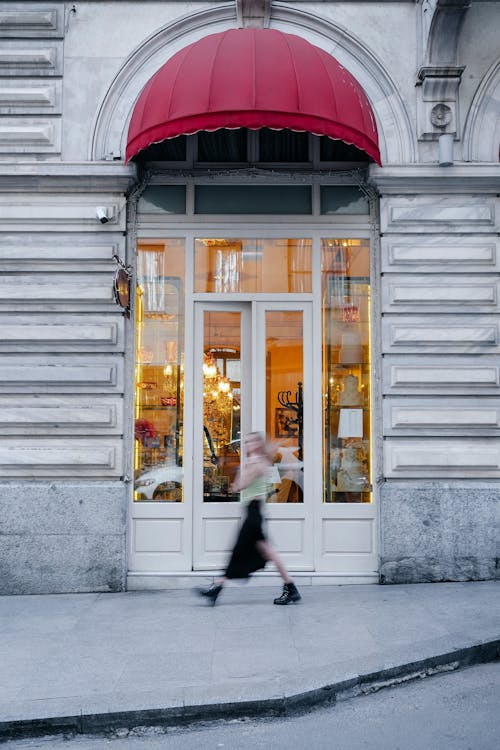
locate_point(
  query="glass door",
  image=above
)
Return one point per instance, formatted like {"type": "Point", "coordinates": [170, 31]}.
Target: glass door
{"type": "Point", "coordinates": [251, 373]}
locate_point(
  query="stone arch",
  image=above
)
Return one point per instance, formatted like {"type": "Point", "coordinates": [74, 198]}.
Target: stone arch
{"type": "Point", "coordinates": [396, 137]}
{"type": "Point", "coordinates": [482, 127]}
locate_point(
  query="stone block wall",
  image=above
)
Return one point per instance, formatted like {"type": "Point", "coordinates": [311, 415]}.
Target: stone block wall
{"type": "Point", "coordinates": [440, 497]}
{"type": "Point", "coordinates": [62, 537]}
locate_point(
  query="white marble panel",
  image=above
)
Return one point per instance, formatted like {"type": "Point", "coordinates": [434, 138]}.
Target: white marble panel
{"type": "Point", "coordinates": [53, 252]}
{"type": "Point", "coordinates": [440, 253]}
{"type": "Point", "coordinates": [158, 535]}
{"type": "Point", "coordinates": [57, 290]}
{"type": "Point", "coordinates": [421, 214]}
{"type": "Point", "coordinates": [61, 212]}
{"type": "Point", "coordinates": [26, 58]}
{"type": "Point", "coordinates": [441, 333]}
{"type": "Point", "coordinates": [441, 416]}
{"type": "Point", "coordinates": [468, 375]}
{"type": "Point", "coordinates": [77, 333]}
{"type": "Point", "coordinates": [457, 293]}
{"type": "Point", "coordinates": [20, 135]}
{"type": "Point", "coordinates": [35, 19]}
{"type": "Point", "coordinates": [68, 373]}
{"type": "Point", "coordinates": [60, 415]}
{"type": "Point", "coordinates": [52, 457]}
{"type": "Point", "coordinates": [450, 458]}
{"type": "Point", "coordinates": [30, 96]}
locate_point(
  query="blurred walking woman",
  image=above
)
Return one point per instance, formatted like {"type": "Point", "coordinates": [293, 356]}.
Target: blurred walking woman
{"type": "Point", "coordinates": [252, 550]}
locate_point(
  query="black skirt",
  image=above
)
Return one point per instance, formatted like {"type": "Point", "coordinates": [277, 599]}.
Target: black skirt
{"type": "Point", "coordinates": [245, 558]}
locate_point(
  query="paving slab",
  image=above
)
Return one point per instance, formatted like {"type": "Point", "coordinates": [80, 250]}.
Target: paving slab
{"type": "Point", "coordinates": [93, 662]}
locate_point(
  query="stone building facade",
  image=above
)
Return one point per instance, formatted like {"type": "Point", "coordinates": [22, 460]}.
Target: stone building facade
{"type": "Point", "coordinates": [70, 77]}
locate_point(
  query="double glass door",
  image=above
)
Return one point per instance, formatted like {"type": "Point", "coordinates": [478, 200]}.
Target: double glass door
{"type": "Point", "coordinates": [252, 373]}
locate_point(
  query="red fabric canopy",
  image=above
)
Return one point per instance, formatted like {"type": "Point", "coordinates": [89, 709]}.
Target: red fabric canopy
{"type": "Point", "coordinates": [252, 78]}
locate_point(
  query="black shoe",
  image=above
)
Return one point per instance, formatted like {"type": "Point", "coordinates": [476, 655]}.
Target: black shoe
{"type": "Point", "coordinates": [211, 593]}
{"type": "Point", "coordinates": [290, 594]}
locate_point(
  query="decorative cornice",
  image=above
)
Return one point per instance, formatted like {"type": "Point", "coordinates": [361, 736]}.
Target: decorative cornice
{"type": "Point", "coordinates": [75, 177]}
{"type": "Point", "coordinates": [421, 178]}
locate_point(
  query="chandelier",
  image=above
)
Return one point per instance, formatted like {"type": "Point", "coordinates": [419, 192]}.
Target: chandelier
{"type": "Point", "coordinates": [217, 401]}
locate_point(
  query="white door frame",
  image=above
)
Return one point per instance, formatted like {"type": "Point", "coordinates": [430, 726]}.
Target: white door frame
{"type": "Point", "coordinates": [215, 524]}
{"type": "Point", "coordinates": [349, 566]}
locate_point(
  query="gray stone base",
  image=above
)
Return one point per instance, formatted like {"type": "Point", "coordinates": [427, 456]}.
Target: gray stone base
{"type": "Point", "coordinates": [62, 537]}
{"type": "Point", "coordinates": [439, 531]}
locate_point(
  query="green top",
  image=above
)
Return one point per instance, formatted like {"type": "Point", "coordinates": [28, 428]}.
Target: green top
{"type": "Point", "coordinates": [259, 488]}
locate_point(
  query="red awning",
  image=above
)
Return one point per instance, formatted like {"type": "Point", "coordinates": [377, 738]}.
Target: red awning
{"type": "Point", "coordinates": [253, 78]}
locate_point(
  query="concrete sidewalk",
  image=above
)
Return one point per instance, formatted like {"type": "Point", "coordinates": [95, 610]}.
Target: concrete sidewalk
{"type": "Point", "coordinates": [89, 662]}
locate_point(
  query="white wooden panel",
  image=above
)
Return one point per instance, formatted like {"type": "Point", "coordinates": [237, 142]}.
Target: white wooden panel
{"type": "Point", "coordinates": [60, 415]}
{"type": "Point", "coordinates": [55, 290]}
{"type": "Point", "coordinates": [443, 253]}
{"type": "Point", "coordinates": [158, 535]}
{"type": "Point", "coordinates": [37, 58]}
{"type": "Point", "coordinates": [23, 135]}
{"type": "Point", "coordinates": [57, 253]}
{"type": "Point", "coordinates": [53, 457]}
{"type": "Point", "coordinates": [435, 375]}
{"type": "Point", "coordinates": [39, 332]}
{"type": "Point", "coordinates": [422, 214]}
{"type": "Point", "coordinates": [440, 333]}
{"type": "Point", "coordinates": [287, 535]}
{"type": "Point", "coordinates": [61, 374]}
{"type": "Point", "coordinates": [31, 20]}
{"type": "Point", "coordinates": [344, 535]}
{"type": "Point", "coordinates": [30, 96]}
{"type": "Point", "coordinates": [219, 534]}
{"type": "Point", "coordinates": [453, 458]}
{"type": "Point", "coordinates": [404, 293]}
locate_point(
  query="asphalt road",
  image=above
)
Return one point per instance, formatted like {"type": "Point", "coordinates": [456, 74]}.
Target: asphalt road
{"type": "Point", "coordinates": [453, 711]}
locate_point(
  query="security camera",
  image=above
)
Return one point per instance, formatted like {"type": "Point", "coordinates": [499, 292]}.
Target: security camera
{"type": "Point", "coordinates": [101, 213]}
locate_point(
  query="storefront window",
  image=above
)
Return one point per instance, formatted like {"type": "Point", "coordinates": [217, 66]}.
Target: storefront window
{"type": "Point", "coordinates": [235, 265]}
{"type": "Point", "coordinates": [346, 370]}
{"type": "Point", "coordinates": [158, 450]}
{"type": "Point", "coordinates": [284, 402]}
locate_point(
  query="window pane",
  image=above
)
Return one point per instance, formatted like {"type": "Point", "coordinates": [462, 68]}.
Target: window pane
{"type": "Point", "coordinates": [343, 200]}
{"type": "Point", "coordinates": [283, 146]}
{"type": "Point", "coordinates": [169, 199]}
{"type": "Point", "coordinates": [284, 407]}
{"type": "Point", "coordinates": [233, 265]}
{"type": "Point", "coordinates": [221, 404]}
{"type": "Point", "coordinates": [253, 199]}
{"type": "Point", "coordinates": [158, 450]}
{"type": "Point", "coordinates": [223, 146]}
{"type": "Point", "coordinates": [346, 370]}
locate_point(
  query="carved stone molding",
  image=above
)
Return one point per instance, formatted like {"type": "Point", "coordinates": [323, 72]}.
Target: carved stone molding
{"type": "Point", "coordinates": [33, 19]}
{"type": "Point", "coordinates": [439, 75]}
{"type": "Point", "coordinates": [111, 125]}
{"type": "Point", "coordinates": [253, 14]}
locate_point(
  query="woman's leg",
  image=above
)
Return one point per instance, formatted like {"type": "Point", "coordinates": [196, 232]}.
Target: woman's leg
{"type": "Point", "coordinates": [290, 592]}
{"type": "Point", "coordinates": [267, 551]}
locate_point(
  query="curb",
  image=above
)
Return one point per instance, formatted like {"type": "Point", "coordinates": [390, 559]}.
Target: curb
{"type": "Point", "coordinates": [184, 715]}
